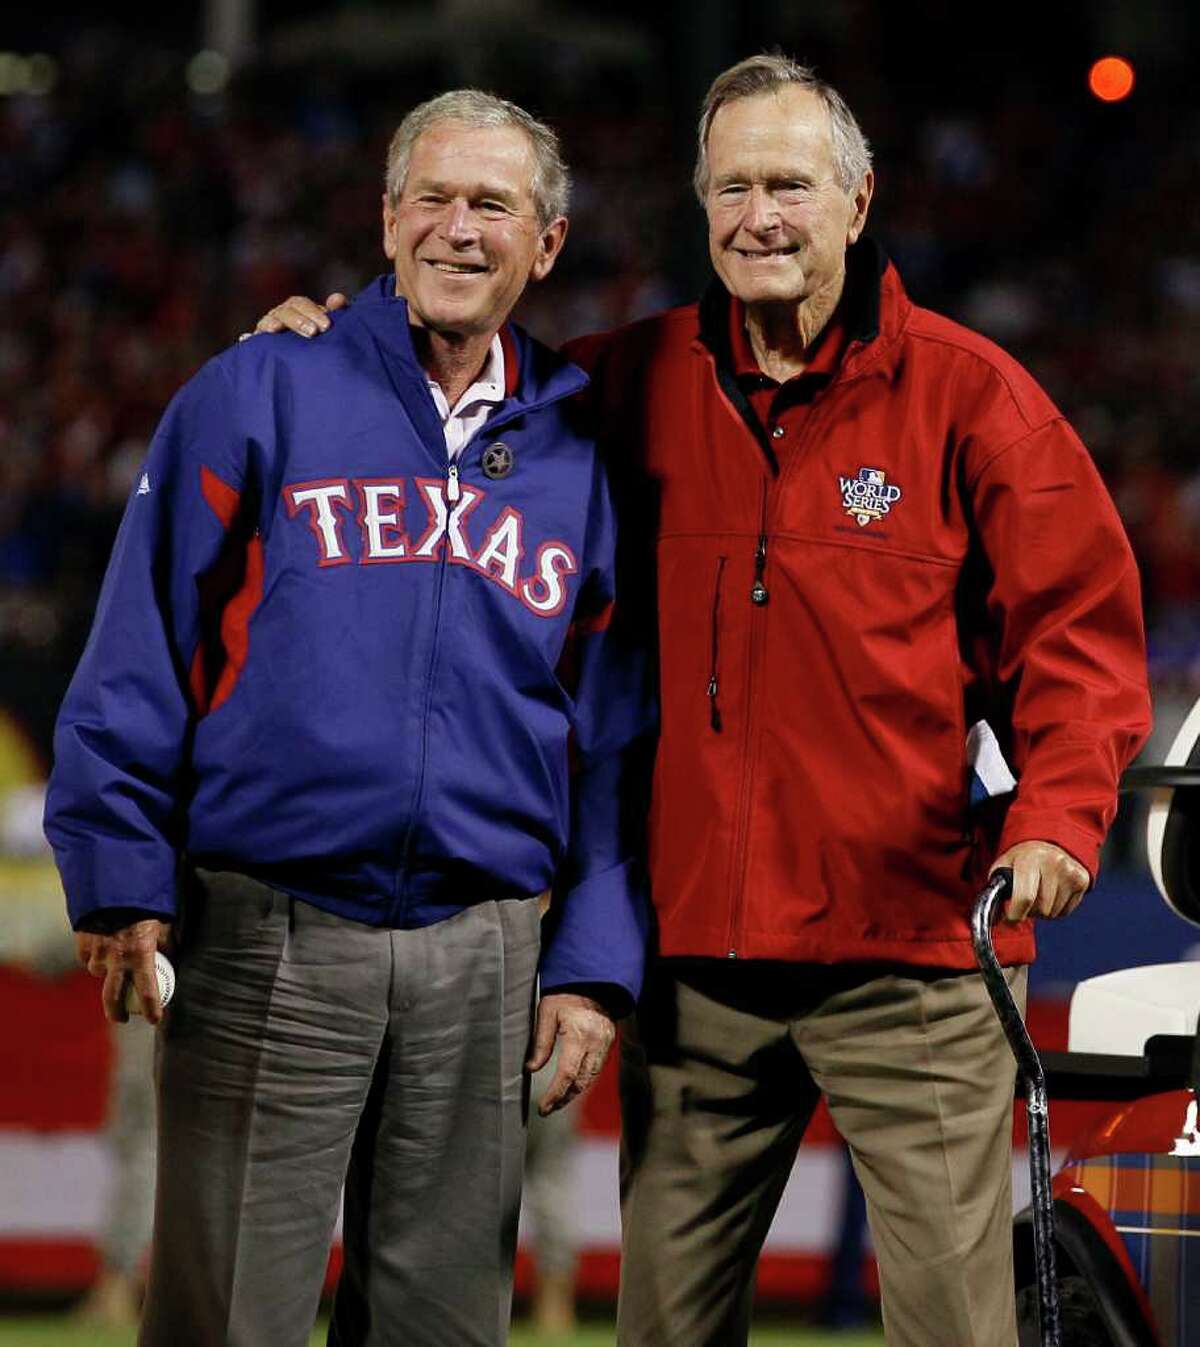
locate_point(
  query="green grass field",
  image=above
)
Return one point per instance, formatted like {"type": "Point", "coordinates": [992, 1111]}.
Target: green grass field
{"type": "Point", "coordinates": [59, 1331]}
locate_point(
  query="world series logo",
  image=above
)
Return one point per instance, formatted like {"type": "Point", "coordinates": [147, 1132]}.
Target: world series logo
{"type": "Point", "coordinates": [869, 496]}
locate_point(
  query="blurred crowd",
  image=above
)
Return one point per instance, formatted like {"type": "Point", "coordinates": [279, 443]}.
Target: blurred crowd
{"type": "Point", "coordinates": [143, 226]}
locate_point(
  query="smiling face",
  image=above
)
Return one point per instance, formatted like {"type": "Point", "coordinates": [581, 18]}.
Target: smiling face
{"type": "Point", "coordinates": [779, 222]}
{"type": "Point", "coordinates": [463, 234]}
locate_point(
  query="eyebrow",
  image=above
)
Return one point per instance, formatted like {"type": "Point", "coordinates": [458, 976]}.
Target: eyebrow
{"type": "Point", "coordinates": [472, 191]}
{"type": "Point", "coordinates": [770, 179]}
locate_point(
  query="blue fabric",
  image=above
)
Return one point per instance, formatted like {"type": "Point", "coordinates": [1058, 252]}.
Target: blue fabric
{"type": "Point", "coordinates": [396, 744]}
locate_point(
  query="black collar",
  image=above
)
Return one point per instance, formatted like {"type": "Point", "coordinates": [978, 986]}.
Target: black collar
{"type": "Point", "coordinates": [865, 264]}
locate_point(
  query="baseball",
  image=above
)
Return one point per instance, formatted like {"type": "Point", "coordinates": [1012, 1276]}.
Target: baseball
{"type": "Point", "coordinates": [166, 985]}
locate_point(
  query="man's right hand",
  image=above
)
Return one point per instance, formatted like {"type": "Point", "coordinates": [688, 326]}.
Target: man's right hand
{"type": "Point", "coordinates": [125, 955]}
{"type": "Point", "coordinates": [300, 315]}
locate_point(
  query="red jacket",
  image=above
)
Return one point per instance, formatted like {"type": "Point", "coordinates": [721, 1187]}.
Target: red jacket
{"type": "Point", "coordinates": [938, 548]}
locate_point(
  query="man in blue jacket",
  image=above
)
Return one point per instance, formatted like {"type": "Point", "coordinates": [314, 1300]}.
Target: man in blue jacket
{"type": "Point", "coordinates": [362, 597]}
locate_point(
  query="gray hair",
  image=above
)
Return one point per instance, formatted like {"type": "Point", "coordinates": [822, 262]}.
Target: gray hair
{"type": "Point", "coordinates": [474, 108]}
{"type": "Point", "coordinates": [767, 73]}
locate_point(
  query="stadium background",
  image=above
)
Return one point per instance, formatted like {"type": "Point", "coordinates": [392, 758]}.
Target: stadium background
{"type": "Point", "coordinates": [168, 173]}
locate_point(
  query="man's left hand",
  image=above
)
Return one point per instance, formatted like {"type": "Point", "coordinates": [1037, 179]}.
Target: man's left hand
{"type": "Point", "coordinates": [1047, 881]}
{"type": "Point", "coordinates": [586, 1031]}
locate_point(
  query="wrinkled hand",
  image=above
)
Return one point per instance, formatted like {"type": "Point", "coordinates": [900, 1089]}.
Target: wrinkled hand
{"type": "Point", "coordinates": [301, 315]}
{"type": "Point", "coordinates": [586, 1031]}
{"type": "Point", "coordinates": [1047, 881]}
{"type": "Point", "coordinates": [127, 954]}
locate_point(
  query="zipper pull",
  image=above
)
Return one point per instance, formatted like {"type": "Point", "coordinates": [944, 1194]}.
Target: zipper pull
{"type": "Point", "coordinates": [714, 712]}
{"type": "Point", "coordinates": [452, 491]}
{"type": "Point", "coordinates": [758, 591]}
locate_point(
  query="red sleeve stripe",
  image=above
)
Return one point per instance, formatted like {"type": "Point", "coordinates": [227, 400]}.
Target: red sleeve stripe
{"type": "Point", "coordinates": [589, 626]}
{"type": "Point", "coordinates": [198, 679]}
{"type": "Point", "coordinates": [222, 499]}
{"type": "Point", "coordinates": [230, 593]}
{"type": "Point", "coordinates": [235, 623]}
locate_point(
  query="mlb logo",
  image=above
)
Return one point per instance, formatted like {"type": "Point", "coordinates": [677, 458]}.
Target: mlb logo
{"type": "Point", "coordinates": [868, 496]}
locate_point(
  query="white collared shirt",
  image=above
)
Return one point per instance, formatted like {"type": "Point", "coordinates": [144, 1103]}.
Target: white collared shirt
{"type": "Point", "coordinates": [462, 420]}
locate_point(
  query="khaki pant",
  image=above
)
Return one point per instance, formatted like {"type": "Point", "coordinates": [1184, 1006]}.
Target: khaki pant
{"type": "Point", "coordinates": [301, 1050]}
{"type": "Point", "coordinates": [720, 1073]}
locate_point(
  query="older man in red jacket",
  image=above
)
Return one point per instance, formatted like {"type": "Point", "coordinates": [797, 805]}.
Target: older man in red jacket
{"type": "Point", "coordinates": [884, 560]}
{"type": "Point", "coordinates": [886, 570]}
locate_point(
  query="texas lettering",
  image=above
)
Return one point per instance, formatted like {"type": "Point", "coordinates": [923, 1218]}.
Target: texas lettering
{"type": "Point", "coordinates": [374, 510]}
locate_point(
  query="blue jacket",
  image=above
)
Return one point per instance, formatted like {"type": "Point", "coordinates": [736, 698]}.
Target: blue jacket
{"type": "Point", "coordinates": [323, 658]}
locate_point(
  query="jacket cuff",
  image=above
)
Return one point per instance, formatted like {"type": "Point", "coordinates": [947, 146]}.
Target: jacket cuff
{"type": "Point", "coordinates": [615, 1001]}
{"type": "Point", "coordinates": [1078, 843]}
{"type": "Point", "coordinates": [110, 920]}
{"type": "Point", "coordinates": [599, 935]}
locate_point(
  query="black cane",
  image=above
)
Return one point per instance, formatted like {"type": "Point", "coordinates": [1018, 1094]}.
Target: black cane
{"type": "Point", "coordinates": [996, 892]}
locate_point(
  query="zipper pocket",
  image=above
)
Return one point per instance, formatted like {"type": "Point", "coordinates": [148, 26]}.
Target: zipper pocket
{"type": "Point", "coordinates": [714, 711]}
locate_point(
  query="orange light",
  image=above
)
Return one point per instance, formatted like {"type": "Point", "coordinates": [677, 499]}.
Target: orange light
{"type": "Point", "coordinates": [1111, 79]}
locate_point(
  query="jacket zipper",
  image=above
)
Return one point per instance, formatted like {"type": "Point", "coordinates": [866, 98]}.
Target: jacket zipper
{"type": "Point", "coordinates": [758, 591]}
{"type": "Point", "coordinates": [453, 495]}
{"type": "Point", "coordinates": [759, 596]}
{"type": "Point", "coordinates": [714, 711]}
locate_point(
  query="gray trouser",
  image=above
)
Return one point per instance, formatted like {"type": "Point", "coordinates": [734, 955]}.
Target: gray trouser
{"type": "Point", "coordinates": [720, 1074]}
{"type": "Point", "coordinates": [302, 1050]}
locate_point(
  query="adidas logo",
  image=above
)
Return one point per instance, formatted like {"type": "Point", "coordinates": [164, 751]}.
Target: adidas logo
{"type": "Point", "coordinates": [144, 485]}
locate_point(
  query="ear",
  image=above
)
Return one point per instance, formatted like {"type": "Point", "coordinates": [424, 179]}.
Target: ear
{"type": "Point", "coordinates": [389, 229]}
{"type": "Point", "coordinates": [862, 203]}
{"type": "Point", "coordinates": [549, 246]}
